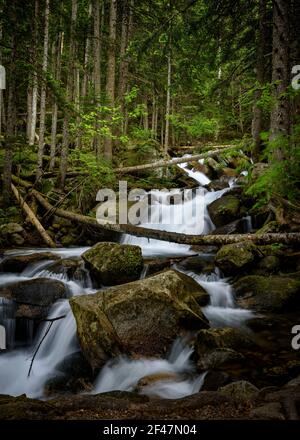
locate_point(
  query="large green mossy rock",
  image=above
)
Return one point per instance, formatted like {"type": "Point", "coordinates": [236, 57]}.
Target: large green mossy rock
{"type": "Point", "coordinates": [224, 210]}
{"type": "Point", "coordinates": [113, 263]}
{"type": "Point", "coordinates": [141, 318]}
{"type": "Point", "coordinates": [273, 293]}
{"type": "Point", "coordinates": [232, 258]}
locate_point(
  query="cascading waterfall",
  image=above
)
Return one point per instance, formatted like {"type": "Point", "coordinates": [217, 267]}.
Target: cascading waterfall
{"type": "Point", "coordinates": [60, 342]}
{"type": "Point", "coordinates": [121, 373]}
{"type": "Point", "coordinates": [164, 212]}
{"type": "Point", "coordinates": [114, 376]}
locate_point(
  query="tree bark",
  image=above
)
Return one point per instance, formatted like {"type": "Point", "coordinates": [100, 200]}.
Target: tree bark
{"type": "Point", "coordinates": [31, 216]}
{"type": "Point", "coordinates": [39, 169]}
{"type": "Point", "coordinates": [111, 73]}
{"type": "Point", "coordinates": [55, 105]}
{"type": "Point", "coordinates": [168, 104]}
{"type": "Point", "coordinates": [11, 116]}
{"type": "Point", "coordinates": [257, 123]}
{"type": "Point", "coordinates": [280, 115]}
{"type": "Point", "coordinates": [97, 66]}
{"type": "Point", "coordinates": [35, 76]}
{"type": "Point", "coordinates": [167, 163]}
{"type": "Point", "coordinates": [65, 141]}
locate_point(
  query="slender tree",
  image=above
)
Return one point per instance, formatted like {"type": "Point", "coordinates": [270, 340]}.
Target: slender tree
{"type": "Point", "coordinates": [39, 169]}
{"type": "Point", "coordinates": [70, 85]}
{"type": "Point", "coordinates": [111, 74]}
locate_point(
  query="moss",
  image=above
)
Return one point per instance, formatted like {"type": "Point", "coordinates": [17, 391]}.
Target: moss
{"type": "Point", "coordinates": [272, 293]}
{"type": "Point", "coordinates": [220, 338]}
{"type": "Point", "coordinates": [224, 210]}
{"type": "Point", "coordinates": [143, 317]}
{"type": "Point", "coordinates": [233, 257]}
{"type": "Point", "coordinates": [112, 263]}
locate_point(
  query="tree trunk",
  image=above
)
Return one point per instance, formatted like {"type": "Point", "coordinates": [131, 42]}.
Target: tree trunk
{"type": "Point", "coordinates": [11, 115]}
{"type": "Point", "coordinates": [84, 86]}
{"type": "Point", "coordinates": [97, 66]}
{"type": "Point", "coordinates": [280, 115]}
{"type": "Point", "coordinates": [33, 219]}
{"type": "Point", "coordinates": [39, 169]}
{"type": "Point", "coordinates": [29, 111]}
{"type": "Point", "coordinates": [257, 123]}
{"type": "Point", "coordinates": [110, 79]}
{"type": "Point", "coordinates": [70, 83]}
{"type": "Point", "coordinates": [167, 163]}
{"type": "Point", "coordinates": [55, 105]}
{"type": "Point", "coordinates": [35, 75]}
{"type": "Point", "coordinates": [168, 105]}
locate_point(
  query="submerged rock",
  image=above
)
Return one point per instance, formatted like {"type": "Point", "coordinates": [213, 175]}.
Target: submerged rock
{"type": "Point", "coordinates": [273, 293]}
{"type": "Point", "coordinates": [224, 210]}
{"type": "Point", "coordinates": [113, 263]}
{"type": "Point", "coordinates": [140, 318]}
{"type": "Point", "coordinates": [231, 258]}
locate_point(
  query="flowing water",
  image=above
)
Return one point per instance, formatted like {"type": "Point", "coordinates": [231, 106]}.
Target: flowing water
{"type": "Point", "coordinates": [122, 373]}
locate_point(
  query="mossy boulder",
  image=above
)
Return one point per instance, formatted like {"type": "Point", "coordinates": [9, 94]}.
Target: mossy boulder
{"type": "Point", "coordinates": [12, 234]}
{"type": "Point", "coordinates": [268, 265]}
{"type": "Point", "coordinates": [141, 318]}
{"type": "Point", "coordinates": [273, 293]}
{"type": "Point", "coordinates": [220, 358]}
{"type": "Point", "coordinates": [232, 258]}
{"type": "Point", "coordinates": [113, 263]}
{"type": "Point", "coordinates": [224, 210]}
{"type": "Point", "coordinates": [210, 340]}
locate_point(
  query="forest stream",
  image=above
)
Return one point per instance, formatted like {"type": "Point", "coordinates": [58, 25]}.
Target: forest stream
{"type": "Point", "coordinates": [229, 348]}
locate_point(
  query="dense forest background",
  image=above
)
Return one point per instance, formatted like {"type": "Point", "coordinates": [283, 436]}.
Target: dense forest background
{"type": "Point", "coordinates": [95, 85]}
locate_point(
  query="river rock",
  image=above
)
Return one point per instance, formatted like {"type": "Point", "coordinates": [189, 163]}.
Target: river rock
{"type": "Point", "coordinates": [224, 210]}
{"type": "Point", "coordinates": [142, 318]}
{"type": "Point", "coordinates": [12, 234]}
{"type": "Point", "coordinates": [269, 411]}
{"type": "Point", "coordinates": [235, 227]}
{"type": "Point", "coordinates": [72, 268]}
{"type": "Point", "coordinates": [240, 390]}
{"type": "Point", "coordinates": [213, 380]}
{"type": "Point", "coordinates": [152, 379]}
{"type": "Point", "coordinates": [34, 297]}
{"type": "Point", "coordinates": [273, 293]}
{"type": "Point", "coordinates": [220, 358]}
{"type": "Point", "coordinates": [209, 340]}
{"type": "Point", "coordinates": [18, 263]}
{"type": "Point", "coordinates": [197, 264]}
{"type": "Point", "coordinates": [113, 263]}
{"type": "Point", "coordinates": [232, 258]}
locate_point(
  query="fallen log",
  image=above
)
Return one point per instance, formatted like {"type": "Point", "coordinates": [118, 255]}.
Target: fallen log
{"type": "Point", "coordinates": [192, 240]}
{"type": "Point", "coordinates": [197, 147]}
{"type": "Point", "coordinates": [175, 161]}
{"type": "Point", "coordinates": [33, 219]}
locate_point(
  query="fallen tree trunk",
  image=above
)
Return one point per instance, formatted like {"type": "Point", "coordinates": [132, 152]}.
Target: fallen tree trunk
{"type": "Point", "coordinates": [198, 147]}
{"type": "Point", "coordinates": [192, 240]}
{"type": "Point", "coordinates": [31, 216]}
{"type": "Point", "coordinates": [175, 161]}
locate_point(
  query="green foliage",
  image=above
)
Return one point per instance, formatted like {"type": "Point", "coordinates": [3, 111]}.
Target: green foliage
{"type": "Point", "coordinates": [282, 177]}
{"type": "Point", "coordinates": [7, 214]}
